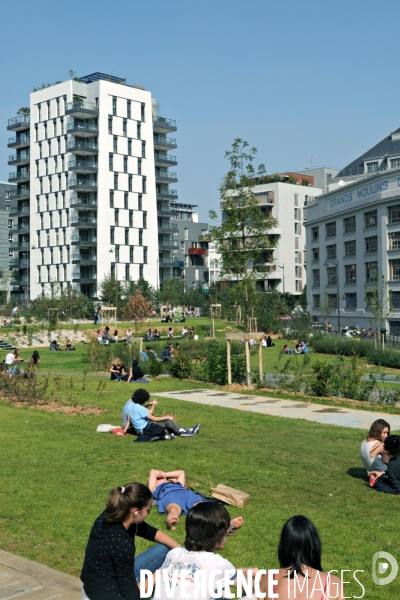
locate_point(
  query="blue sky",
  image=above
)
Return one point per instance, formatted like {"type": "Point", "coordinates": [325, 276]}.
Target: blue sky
{"type": "Point", "coordinates": [297, 79]}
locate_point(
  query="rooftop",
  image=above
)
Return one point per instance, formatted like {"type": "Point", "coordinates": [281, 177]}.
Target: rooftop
{"type": "Point", "coordinates": [387, 148]}
{"type": "Point", "coordinates": [97, 76]}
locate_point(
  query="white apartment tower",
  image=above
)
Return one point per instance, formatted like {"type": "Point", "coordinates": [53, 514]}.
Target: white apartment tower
{"type": "Point", "coordinates": [88, 159]}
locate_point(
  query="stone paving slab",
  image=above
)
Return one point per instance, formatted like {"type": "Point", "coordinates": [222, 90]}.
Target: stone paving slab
{"type": "Point", "coordinates": [320, 413]}
{"type": "Point", "coordinates": [25, 579]}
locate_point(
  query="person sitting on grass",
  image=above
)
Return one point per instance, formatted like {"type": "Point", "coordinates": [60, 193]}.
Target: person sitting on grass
{"type": "Point", "coordinates": [151, 353]}
{"type": "Point", "coordinates": [68, 345]}
{"type": "Point", "coordinates": [170, 334]}
{"type": "Point", "coordinates": [287, 350]}
{"type": "Point", "coordinates": [207, 527]}
{"type": "Point", "coordinates": [35, 358]}
{"type": "Point", "coordinates": [111, 570]}
{"type": "Point", "coordinates": [372, 451]}
{"type": "Point", "coordinates": [118, 371]}
{"type": "Point", "coordinates": [166, 354]}
{"type": "Point", "coordinates": [389, 481]}
{"type": "Point", "coordinates": [175, 498]}
{"type": "Point", "coordinates": [136, 374]}
{"type": "Point", "coordinates": [128, 336]}
{"type": "Point", "coordinates": [138, 420]}
{"type": "Point", "coordinates": [300, 573]}
{"type": "Point", "coordinates": [54, 347]}
{"type": "Point", "coordinates": [156, 335]}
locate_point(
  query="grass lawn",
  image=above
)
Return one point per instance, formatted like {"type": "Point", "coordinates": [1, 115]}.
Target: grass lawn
{"type": "Point", "coordinates": [57, 472]}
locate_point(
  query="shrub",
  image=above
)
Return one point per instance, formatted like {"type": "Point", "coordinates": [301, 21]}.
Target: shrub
{"type": "Point", "coordinates": [154, 366]}
{"type": "Point", "coordinates": [328, 344]}
{"type": "Point", "coordinates": [181, 366]}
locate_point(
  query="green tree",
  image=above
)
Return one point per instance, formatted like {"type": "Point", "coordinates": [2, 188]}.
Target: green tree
{"type": "Point", "coordinates": [111, 292]}
{"type": "Point", "coordinates": [146, 289]}
{"type": "Point", "coordinates": [326, 307]}
{"type": "Point", "coordinates": [378, 300]}
{"type": "Point", "coordinates": [137, 309]}
{"type": "Point", "coordinates": [242, 238]}
{"type": "Point", "coordinates": [172, 292]}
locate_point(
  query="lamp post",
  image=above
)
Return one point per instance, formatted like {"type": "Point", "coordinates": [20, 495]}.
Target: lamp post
{"type": "Point", "coordinates": [283, 277]}
{"type": "Point", "coordinates": [336, 264]}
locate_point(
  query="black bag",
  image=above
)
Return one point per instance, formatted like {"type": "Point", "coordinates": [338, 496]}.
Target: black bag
{"type": "Point", "coordinates": [151, 433]}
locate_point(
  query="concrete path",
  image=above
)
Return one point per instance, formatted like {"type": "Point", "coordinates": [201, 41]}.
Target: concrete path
{"type": "Point", "coordinates": [25, 579]}
{"type": "Point", "coordinates": [320, 413]}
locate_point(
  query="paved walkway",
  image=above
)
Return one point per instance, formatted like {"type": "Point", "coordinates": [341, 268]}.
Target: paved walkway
{"type": "Point", "coordinates": [320, 413]}
{"type": "Point", "coordinates": [25, 579]}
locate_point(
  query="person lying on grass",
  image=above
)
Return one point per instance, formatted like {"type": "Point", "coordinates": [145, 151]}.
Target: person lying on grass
{"type": "Point", "coordinates": [207, 527]}
{"type": "Point", "coordinates": [137, 419]}
{"type": "Point", "coordinates": [389, 481]}
{"type": "Point", "coordinates": [175, 497]}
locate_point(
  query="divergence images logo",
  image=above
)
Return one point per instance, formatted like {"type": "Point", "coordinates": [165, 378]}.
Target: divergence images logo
{"type": "Point", "coordinates": [383, 568]}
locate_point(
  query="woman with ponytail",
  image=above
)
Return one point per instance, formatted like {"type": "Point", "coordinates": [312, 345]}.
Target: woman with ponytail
{"type": "Point", "coordinates": [110, 570]}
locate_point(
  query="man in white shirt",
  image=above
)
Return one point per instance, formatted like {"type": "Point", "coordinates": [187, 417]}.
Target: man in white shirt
{"type": "Point", "coordinates": [9, 360]}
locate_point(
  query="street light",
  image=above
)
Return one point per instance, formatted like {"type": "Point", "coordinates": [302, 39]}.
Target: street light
{"type": "Point", "coordinates": [336, 264]}
{"type": "Point", "coordinates": [283, 276]}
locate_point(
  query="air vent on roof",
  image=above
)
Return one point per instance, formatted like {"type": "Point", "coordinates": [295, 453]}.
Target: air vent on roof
{"type": "Point", "coordinates": [396, 135]}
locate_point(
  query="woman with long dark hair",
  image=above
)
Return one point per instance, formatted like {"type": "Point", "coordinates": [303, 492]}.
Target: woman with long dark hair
{"type": "Point", "coordinates": [110, 570]}
{"type": "Point", "coordinates": [300, 573]}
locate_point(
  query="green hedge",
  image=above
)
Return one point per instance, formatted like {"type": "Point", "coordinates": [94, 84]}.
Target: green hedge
{"type": "Point", "coordinates": [329, 344]}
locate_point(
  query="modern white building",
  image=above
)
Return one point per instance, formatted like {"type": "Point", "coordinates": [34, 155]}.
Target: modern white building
{"type": "Point", "coordinates": [93, 181]}
{"type": "Point", "coordinates": [287, 203]}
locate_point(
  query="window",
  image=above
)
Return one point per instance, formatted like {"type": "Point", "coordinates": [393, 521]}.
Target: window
{"type": "Point", "coordinates": [297, 228]}
{"type": "Point", "coordinates": [138, 130]}
{"type": "Point", "coordinates": [124, 126]}
{"type": "Point", "coordinates": [110, 162]}
{"type": "Point", "coordinates": [115, 144]}
{"type": "Point", "coordinates": [110, 120]}
{"type": "Point", "coordinates": [372, 167]}
{"type": "Point", "coordinates": [371, 272]}
{"type": "Point", "coordinates": [394, 214]}
{"type": "Point", "coordinates": [111, 199]}
{"type": "Point", "coordinates": [143, 149]}
{"type": "Point", "coordinates": [331, 252]}
{"type": "Point", "coordinates": [351, 274]}
{"type": "Point", "coordinates": [332, 300]}
{"type": "Point", "coordinates": [316, 300]}
{"type": "Point", "coordinates": [394, 268]}
{"type": "Point", "coordinates": [112, 235]}
{"type": "Point", "coordinates": [314, 234]}
{"type": "Point", "coordinates": [145, 255]}
{"type": "Point", "coordinates": [315, 278]}
{"type": "Point", "coordinates": [45, 131]}
{"type": "Point", "coordinates": [47, 203]}
{"type": "Point", "coordinates": [54, 128]}
{"type": "Point", "coordinates": [351, 300]}
{"type": "Point", "coordinates": [39, 112]}
{"type": "Point", "coordinates": [141, 272]}
{"type": "Point", "coordinates": [315, 255]}
{"type": "Point", "coordinates": [127, 274]}
{"type": "Point", "coordinates": [130, 147]}
{"type": "Point", "coordinates": [131, 218]}
{"type": "Point", "coordinates": [350, 248]}
{"type": "Point", "coordinates": [140, 237]}
{"type": "Point", "coordinates": [131, 254]}
{"type": "Point", "coordinates": [126, 237]}
{"type": "Point", "coordinates": [395, 299]}
{"type": "Point", "coordinates": [371, 245]}
{"type": "Point", "coordinates": [128, 109]}
{"type": "Point", "coordinates": [145, 220]}
{"type": "Point", "coordinates": [126, 200]}
{"type": "Point", "coordinates": [40, 151]}
{"type": "Point", "coordinates": [349, 225]}
{"type": "Point", "coordinates": [116, 217]}
{"type": "Point", "coordinates": [331, 274]}
{"type": "Point", "coordinates": [395, 162]}
{"type": "Point", "coordinates": [36, 133]}
{"type": "Point", "coordinates": [58, 106]}
{"type": "Point", "coordinates": [112, 271]}
{"type": "Point", "coordinates": [297, 214]}
{"type": "Point", "coordinates": [371, 219]}
{"type": "Point", "coordinates": [139, 166]}
{"type": "Point", "coordinates": [116, 254]}
{"type": "Point", "coordinates": [130, 181]}
{"type": "Point", "coordinates": [125, 164]}
{"type": "Point", "coordinates": [394, 240]}
{"type": "Point", "coordinates": [114, 106]}
{"type": "Point", "coordinates": [142, 115]}
{"type": "Point", "coordinates": [59, 145]}
{"type": "Point", "coordinates": [186, 234]}
{"type": "Point", "coordinates": [330, 229]}
{"type": "Point", "coordinates": [144, 185]}
{"type": "Point", "coordinates": [115, 181]}
{"type": "Point", "coordinates": [140, 198]}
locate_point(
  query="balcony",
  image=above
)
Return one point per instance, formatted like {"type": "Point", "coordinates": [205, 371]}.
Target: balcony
{"type": "Point", "coordinates": [19, 280]}
{"type": "Point", "coordinates": [15, 246]}
{"type": "Point", "coordinates": [165, 160]}
{"type": "Point", "coordinates": [172, 262]}
{"type": "Point", "coordinates": [166, 177]}
{"type": "Point", "coordinates": [168, 227]}
{"type": "Point", "coordinates": [82, 202]}
{"type": "Point", "coordinates": [163, 143]}
{"type": "Point", "coordinates": [83, 166]}
{"type": "Point", "coordinates": [167, 277]}
{"type": "Point", "coordinates": [84, 277]}
{"type": "Point", "coordinates": [83, 184]}
{"type": "Point", "coordinates": [17, 160]}
{"type": "Point", "coordinates": [82, 109]}
{"type": "Point", "coordinates": [19, 298]}
{"type": "Point", "coordinates": [83, 129]}
{"type": "Point", "coordinates": [82, 147]}
{"type": "Point", "coordinates": [78, 259]}
{"type": "Point", "coordinates": [21, 141]}
{"type": "Point", "coordinates": [206, 238]}
{"type": "Point", "coordinates": [167, 195]}
{"type": "Point", "coordinates": [85, 241]}
{"type": "Point", "coordinates": [168, 244]}
{"type": "Point", "coordinates": [197, 251]}
{"type": "Point", "coordinates": [21, 194]}
{"type": "Point", "coordinates": [86, 222]}
{"type": "Point", "coordinates": [19, 123]}
{"type": "Point", "coordinates": [164, 210]}
{"type": "Point", "coordinates": [19, 176]}
{"type": "Point", "coordinates": [163, 125]}
{"type": "Point", "coordinates": [19, 211]}
{"type": "Point", "coordinates": [20, 263]}
{"type": "Point", "coordinates": [20, 228]}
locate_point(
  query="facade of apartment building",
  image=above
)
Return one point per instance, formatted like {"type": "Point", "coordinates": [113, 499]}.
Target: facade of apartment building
{"type": "Point", "coordinates": [92, 187]}
{"type": "Point", "coordinates": [286, 263]}
{"type": "Point", "coordinates": [192, 241]}
{"type": "Point", "coordinates": [322, 176]}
